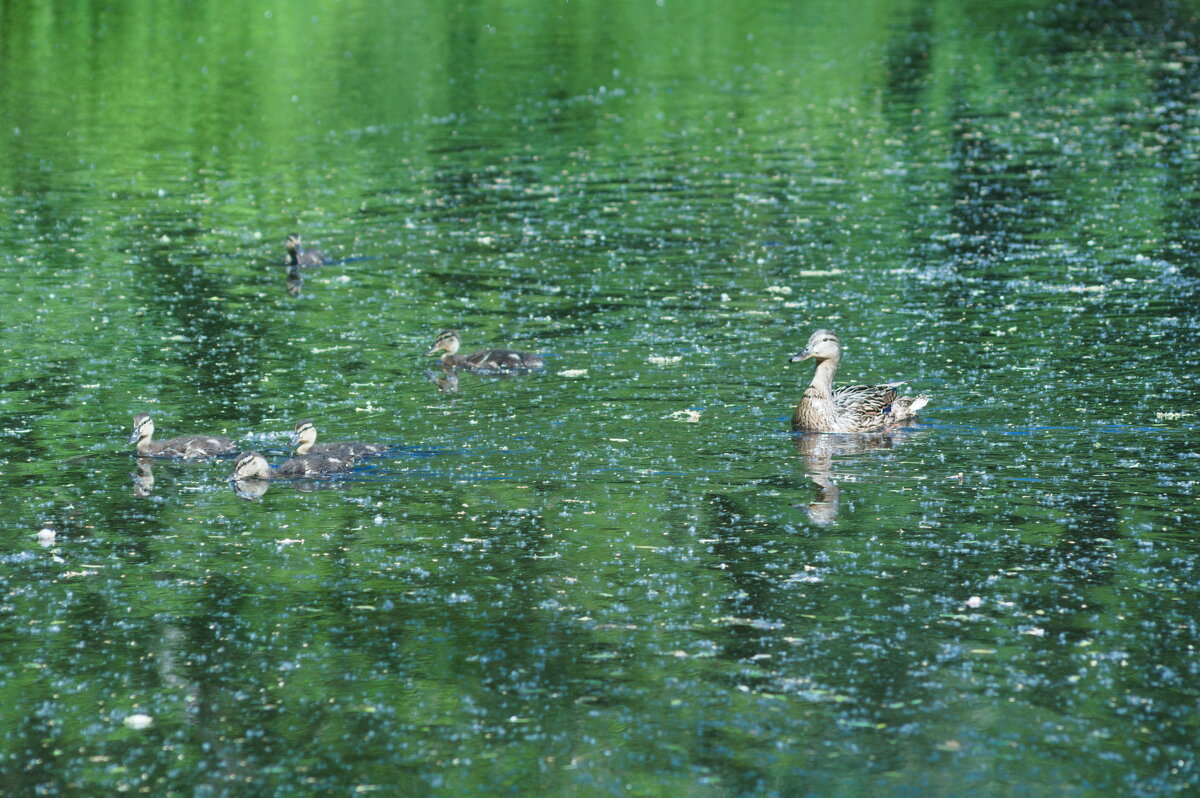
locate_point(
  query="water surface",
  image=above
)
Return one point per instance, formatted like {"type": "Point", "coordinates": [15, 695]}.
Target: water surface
{"type": "Point", "coordinates": [620, 574]}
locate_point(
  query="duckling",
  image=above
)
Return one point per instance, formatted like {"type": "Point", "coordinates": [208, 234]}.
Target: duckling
{"type": "Point", "coordinates": [302, 258]}
{"type": "Point", "coordinates": [187, 447]}
{"type": "Point", "coordinates": [306, 436]}
{"type": "Point", "coordinates": [485, 359]}
{"type": "Point", "coordinates": [252, 465]}
{"type": "Point", "coordinates": [852, 408]}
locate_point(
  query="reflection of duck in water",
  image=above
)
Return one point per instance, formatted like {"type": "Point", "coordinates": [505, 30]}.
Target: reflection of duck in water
{"type": "Point", "coordinates": [851, 408]}
{"type": "Point", "coordinates": [485, 359]}
{"type": "Point", "coordinates": [294, 282]}
{"type": "Point", "coordinates": [187, 447]}
{"type": "Point", "coordinates": [818, 450]}
{"type": "Point", "coordinates": [300, 258]}
{"type": "Point", "coordinates": [445, 378]}
{"type": "Point", "coordinates": [305, 439]}
{"type": "Point", "coordinates": [143, 477]}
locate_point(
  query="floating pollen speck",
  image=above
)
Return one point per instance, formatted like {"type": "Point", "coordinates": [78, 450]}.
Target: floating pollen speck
{"type": "Point", "coordinates": [139, 721]}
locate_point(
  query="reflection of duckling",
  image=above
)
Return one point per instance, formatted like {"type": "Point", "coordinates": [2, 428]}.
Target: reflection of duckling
{"type": "Point", "coordinates": [187, 447]}
{"type": "Point", "coordinates": [293, 282]}
{"type": "Point", "coordinates": [489, 359]}
{"type": "Point", "coordinates": [302, 258]}
{"type": "Point", "coordinates": [852, 408]}
{"type": "Point", "coordinates": [143, 477]}
{"type": "Point", "coordinates": [445, 378]}
{"type": "Point", "coordinates": [250, 489]}
{"type": "Point", "coordinates": [306, 436]}
{"type": "Point", "coordinates": [252, 465]}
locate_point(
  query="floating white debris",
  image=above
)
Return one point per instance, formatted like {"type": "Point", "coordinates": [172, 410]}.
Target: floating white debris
{"type": "Point", "coordinates": [779, 289]}
{"type": "Point", "coordinates": [46, 536]}
{"type": "Point", "coordinates": [573, 373]}
{"type": "Point", "coordinates": [819, 272]}
{"type": "Point", "coordinates": [664, 360]}
{"type": "Point", "coordinates": [974, 601]}
{"type": "Point", "coordinates": [138, 721]}
{"type": "Point", "coordinates": [690, 416]}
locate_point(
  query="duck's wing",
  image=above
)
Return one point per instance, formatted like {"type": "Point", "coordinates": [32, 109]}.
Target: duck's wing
{"type": "Point", "coordinates": [502, 360]}
{"type": "Point", "coordinates": [348, 449]}
{"type": "Point", "coordinates": [865, 402]}
{"type": "Point", "coordinates": [191, 447]}
{"type": "Point", "coordinates": [311, 258]}
{"type": "Point", "coordinates": [314, 465]}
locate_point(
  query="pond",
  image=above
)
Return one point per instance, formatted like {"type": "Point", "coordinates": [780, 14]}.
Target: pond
{"type": "Point", "coordinates": [621, 573]}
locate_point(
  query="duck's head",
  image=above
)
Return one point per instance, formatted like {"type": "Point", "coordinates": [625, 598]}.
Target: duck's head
{"type": "Point", "coordinates": [822, 345]}
{"type": "Point", "coordinates": [293, 242]}
{"type": "Point", "coordinates": [447, 341]}
{"type": "Point", "coordinates": [250, 465]}
{"type": "Point", "coordinates": [143, 427]}
{"type": "Point", "coordinates": [305, 434]}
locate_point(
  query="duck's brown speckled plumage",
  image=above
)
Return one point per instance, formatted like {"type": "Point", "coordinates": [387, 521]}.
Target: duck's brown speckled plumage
{"type": "Point", "coordinates": [448, 343]}
{"type": "Point", "coordinates": [186, 447]}
{"type": "Point", "coordinates": [853, 408]}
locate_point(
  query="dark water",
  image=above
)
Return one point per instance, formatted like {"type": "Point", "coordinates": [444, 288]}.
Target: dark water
{"type": "Point", "coordinates": [619, 575]}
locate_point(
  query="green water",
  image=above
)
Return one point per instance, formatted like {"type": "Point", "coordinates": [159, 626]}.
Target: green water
{"type": "Point", "coordinates": [619, 575]}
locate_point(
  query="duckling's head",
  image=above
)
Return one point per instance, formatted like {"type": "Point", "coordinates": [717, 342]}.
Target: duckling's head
{"type": "Point", "coordinates": [250, 465]}
{"type": "Point", "coordinates": [143, 427]}
{"type": "Point", "coordinates": [822, 345]}
{"type": "Point", "coordinates": [447, 341]}
{"type": "Point", "coordinates": [305, 435]}
{"type": "Point", "coordinates": [293, 243]}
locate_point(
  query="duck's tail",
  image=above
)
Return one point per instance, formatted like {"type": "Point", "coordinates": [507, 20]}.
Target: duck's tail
{"type": "Point", "coordinates": [906, 407]}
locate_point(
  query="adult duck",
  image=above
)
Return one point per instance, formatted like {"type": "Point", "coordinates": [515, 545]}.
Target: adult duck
{"type": "Point", "coordinates": [852, 408]}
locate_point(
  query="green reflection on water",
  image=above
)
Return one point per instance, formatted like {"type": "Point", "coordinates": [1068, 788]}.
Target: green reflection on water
{"type": "Point", "coordinates": [616, 575]}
